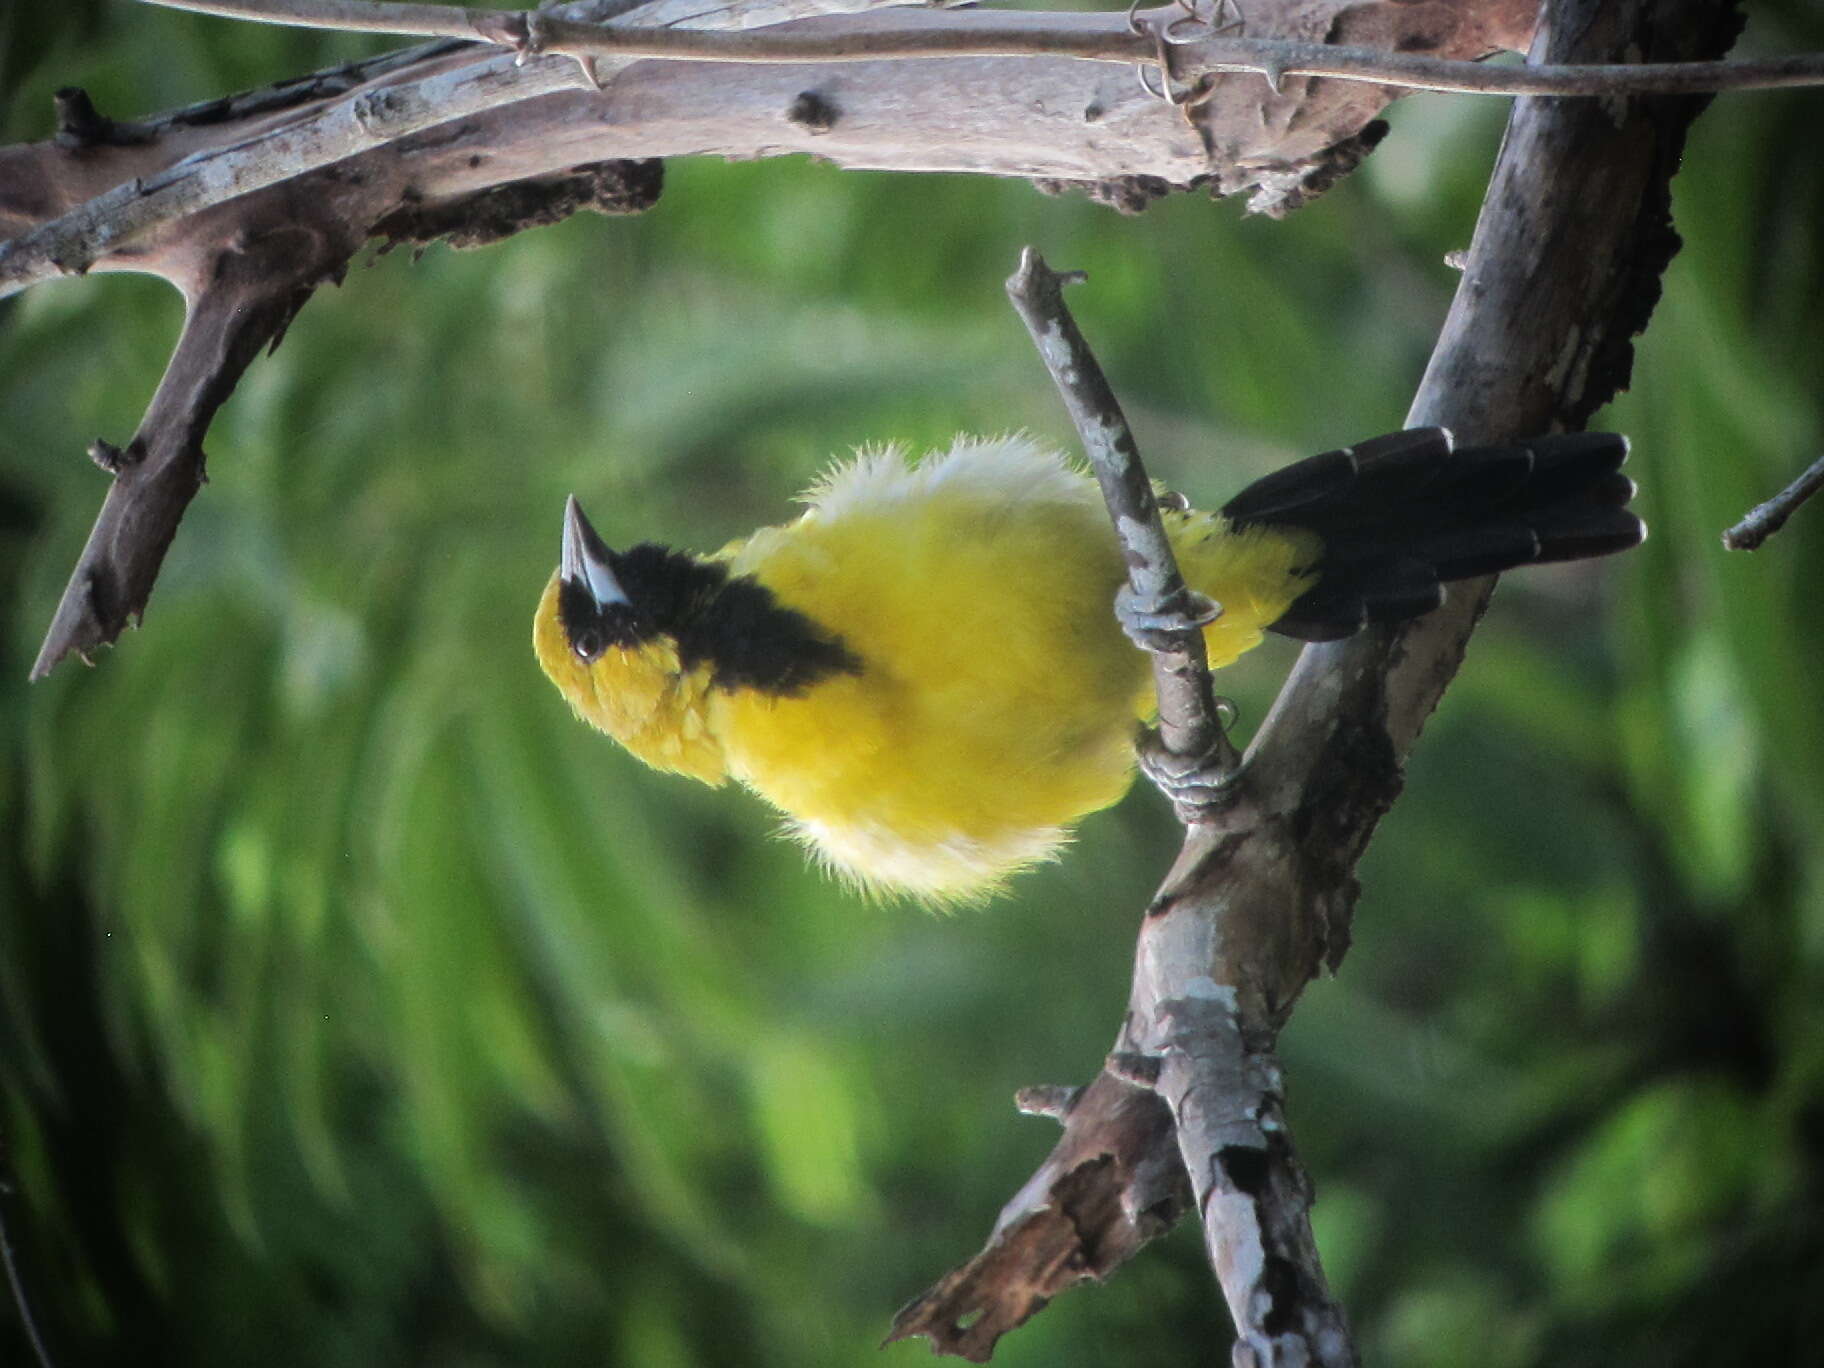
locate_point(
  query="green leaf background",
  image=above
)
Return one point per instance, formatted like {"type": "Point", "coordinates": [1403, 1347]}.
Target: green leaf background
{"type": "Point", "coordinates": [358, 1006]}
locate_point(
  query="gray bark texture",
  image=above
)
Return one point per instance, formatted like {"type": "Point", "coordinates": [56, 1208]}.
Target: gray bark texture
{"type": "Point", "coordinates": [1188, 1115]}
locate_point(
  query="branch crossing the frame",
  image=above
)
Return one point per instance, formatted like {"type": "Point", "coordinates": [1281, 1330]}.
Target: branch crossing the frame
{"type": "Point", "coordinates": [1189, 51]}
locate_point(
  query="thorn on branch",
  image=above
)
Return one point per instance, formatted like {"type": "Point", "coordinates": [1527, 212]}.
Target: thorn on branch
{"type": "Point", "coordinates": [587, 64]}
{"type": "Point", "coordinates": [115, 459]}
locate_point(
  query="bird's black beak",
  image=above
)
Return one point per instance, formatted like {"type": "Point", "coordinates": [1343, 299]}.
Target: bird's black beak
{"type": "Point", "coordinates": [585, 560]}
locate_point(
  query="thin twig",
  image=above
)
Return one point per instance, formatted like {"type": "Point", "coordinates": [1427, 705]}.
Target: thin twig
{"type": "Point", "coordinates": [14, 1281]}
{"type": "Point", "coordinates": [1766, 519]}
{"type": "Point", "coordinates": [1188, 721]}
{"type": "Point", "coordinates": [252, 296]}
{"type": "Point", "coordinates": [1029, 35]}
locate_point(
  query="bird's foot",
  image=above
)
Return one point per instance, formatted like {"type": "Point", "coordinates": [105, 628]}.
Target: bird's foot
{"type": "Point", "coordinates": [1152, 623]}
{"type": "Point", "coordinates": [1195, 784]}
{"type": "Point", "coordinates": [1170, 500]}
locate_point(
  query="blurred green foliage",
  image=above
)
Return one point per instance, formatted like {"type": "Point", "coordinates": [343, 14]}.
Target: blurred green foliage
{"type": "Point", "coordinates": [357, 1006]}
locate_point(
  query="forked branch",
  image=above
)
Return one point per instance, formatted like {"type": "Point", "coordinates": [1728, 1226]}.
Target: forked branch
{"type": "Point", "coordinates": [1189, 1112]}
{"type": "Point", "coordinates": [1563, 271]}
{"type": "Point", "coordinates": [253, 291]}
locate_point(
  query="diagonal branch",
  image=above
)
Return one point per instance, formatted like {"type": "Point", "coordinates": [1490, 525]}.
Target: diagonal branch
{"type": "Point", "coordinates": [1188, 719]}
{"type": "Point", "coordinates": [1764, 519]}
{"type": "Point", "coordinates": [1189, 1111]}
{"type": "Point", "coordinates": [1563, 271]}
{"type": "Point", "coordinates": [1189, 1037]}
{"type": "Point", "coordinates": [252, 294]}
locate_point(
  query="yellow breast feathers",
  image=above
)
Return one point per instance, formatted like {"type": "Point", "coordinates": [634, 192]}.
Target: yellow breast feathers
{"type": "Point", "coordinates": [976, 696]}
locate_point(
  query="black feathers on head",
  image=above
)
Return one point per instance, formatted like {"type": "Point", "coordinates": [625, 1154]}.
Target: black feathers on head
{"type": "Point", "coordinates": [734, 623]}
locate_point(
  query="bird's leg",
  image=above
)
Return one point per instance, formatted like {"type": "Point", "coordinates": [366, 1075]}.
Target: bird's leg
{"type": "Point", "coordinates": [1158, 624]}
{"type": "Point", "coordinates": [1195, 784]}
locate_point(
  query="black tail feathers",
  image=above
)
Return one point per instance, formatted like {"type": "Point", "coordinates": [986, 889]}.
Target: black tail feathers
{"type": "Point", "coordinates": [1402, 515]}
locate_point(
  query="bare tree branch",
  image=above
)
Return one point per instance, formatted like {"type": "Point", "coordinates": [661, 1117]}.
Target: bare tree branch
{"type": "Point", "coordinates": [1187, 1036]}
{"type": "Point", "coordinates": [989, 34]}
{"type": "Point", "coordinates": [1188, 720]}
{"type": "Point", "coordinates": [76, 242]}
{"type": "Point", "coordinates": [1563, 271]}
{"type": "Point", "coordinates": [253, 292]}
{"type": "Point", "coordinates": [376, 116]}
{"type": "Point", "coordinates": [1112, 1183]}
{"type": "Point", "coordinates": [1763, 520]}
{"type": "Point", "coordinates": [245, 268]}
{"type": "Point", "coordinates": [375, 149]}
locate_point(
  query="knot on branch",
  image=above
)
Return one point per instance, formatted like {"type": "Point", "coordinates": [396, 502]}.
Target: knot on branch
{"type": "Point", "coordinates": [812, 111]}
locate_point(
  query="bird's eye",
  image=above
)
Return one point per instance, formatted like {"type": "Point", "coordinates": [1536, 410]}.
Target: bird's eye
{"type": "Point", "coordinates": [587, 644]}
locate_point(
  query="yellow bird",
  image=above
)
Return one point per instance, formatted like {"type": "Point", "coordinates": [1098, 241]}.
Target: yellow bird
{"type": "Point", "coordinates": [923, 672]}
